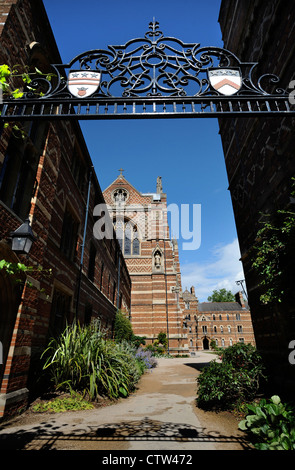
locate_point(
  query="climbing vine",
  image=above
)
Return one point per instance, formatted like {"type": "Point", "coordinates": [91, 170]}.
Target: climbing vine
{"type": "Point", "coordinates": [15, 269]}
{"type": "Point", "coordinates": [273, 254]}
{"type": "Point", "coordinates": [7, 75]}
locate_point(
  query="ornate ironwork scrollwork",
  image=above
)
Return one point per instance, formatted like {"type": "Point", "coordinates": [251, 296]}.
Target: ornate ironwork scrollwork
{"type": "Point", "coordinates": [156, 66]}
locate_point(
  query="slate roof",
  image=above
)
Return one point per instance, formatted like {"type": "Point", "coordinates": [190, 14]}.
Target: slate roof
{"type": "Point", "coordinates": [220, 306]}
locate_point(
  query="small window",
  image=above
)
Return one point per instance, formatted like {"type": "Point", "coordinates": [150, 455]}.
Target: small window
{"type": "Point", "coordinates": [60, 312]}
{"type": "Point", "coordinates": [91, 265]}
{"type": "Point", "coordinates": [69, 236]}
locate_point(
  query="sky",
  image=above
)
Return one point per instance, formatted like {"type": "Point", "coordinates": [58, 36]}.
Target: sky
{"type": "Point", "coordinates": [186, 153]}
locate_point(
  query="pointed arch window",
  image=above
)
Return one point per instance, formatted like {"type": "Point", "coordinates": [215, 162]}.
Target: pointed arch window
{"type": "Point", "coordinates": [128, 238]}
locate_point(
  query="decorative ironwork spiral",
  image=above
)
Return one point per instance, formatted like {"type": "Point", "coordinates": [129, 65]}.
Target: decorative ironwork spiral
{"type": "Point", "coordinates": [157, 66]}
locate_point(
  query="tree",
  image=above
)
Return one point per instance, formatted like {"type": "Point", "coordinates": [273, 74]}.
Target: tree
{"type": "Point", "coordinates": [221, 295]}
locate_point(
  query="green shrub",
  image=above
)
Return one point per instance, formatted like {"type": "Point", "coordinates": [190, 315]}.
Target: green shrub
{"type": "Point", "coordinates": [243, 355]}
{"type": "Point", "coordinates": [235, 379]}
{"type": "Point", "coordinates": [59, 405]}
{"type": "Point", "coordinates": [270, 425]}
{"type": "Point", "coordinates": [123, 328]}
{"type": "Point", "coordinates": [81, 359]}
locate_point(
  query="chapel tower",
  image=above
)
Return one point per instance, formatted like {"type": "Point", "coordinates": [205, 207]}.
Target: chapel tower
{"type": "Point", "coordinates": [141, 226]}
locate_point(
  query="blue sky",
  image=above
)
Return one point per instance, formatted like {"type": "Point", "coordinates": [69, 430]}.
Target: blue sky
{"type": "Point", "coordinates": [186, 153]}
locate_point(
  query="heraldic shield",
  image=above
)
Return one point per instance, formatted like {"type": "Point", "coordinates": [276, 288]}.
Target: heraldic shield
{"type": "Point", "coordinates": [83, 83]}
{"type": "Point", "coordinates": [225, 81]}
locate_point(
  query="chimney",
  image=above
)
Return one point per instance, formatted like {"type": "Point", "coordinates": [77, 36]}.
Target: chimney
{"type": "Point", "coordinates": [193, 291]}
{"type": "Point", "coordinates": [240, 299]}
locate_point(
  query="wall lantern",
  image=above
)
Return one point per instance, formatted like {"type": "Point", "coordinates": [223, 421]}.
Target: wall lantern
{"type": "Point", "coordinates": [22, 238]}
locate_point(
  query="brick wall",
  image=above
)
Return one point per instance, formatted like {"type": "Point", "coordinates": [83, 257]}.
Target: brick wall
{"type": "Point", "coordinates": [259, 156]}
{"type": "Point", "coordinates": [58, 188]}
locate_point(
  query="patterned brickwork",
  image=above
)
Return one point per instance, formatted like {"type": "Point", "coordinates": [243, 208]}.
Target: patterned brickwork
{"type": "Point", "coordinates": [59, 187]}
{"type": "Point", "coordinates": [154, 302]}
{"type": "Point", "coordinates": [259, 156]}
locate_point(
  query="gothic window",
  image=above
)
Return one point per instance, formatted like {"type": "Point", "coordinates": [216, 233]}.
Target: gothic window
{"type": "Point", "coordinates": [136, 246]}
{"type": "Point", "coordinates": [204, 328]}
{"type": "Point", "coordinates": [127, 236]}
{"type": "Point", "coordinates": [187, 305]}
{"type": "Point", "coordinates": [120, 196]}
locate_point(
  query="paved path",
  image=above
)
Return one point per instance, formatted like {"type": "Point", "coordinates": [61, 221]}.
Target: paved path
{"type": "Point", "coordinates": [161, 415]}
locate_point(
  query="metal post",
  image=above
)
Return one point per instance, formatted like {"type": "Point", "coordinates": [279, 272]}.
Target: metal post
{"type": "Point", "coordinates": [166, 296]}
{"type": "Point", "coordinates": [118, 288]}
{"type": "Point", "coordinates": [83, 244]}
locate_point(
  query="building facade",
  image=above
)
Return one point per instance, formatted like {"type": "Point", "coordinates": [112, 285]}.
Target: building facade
{"type": "Point", "coordinates": [46, 177]}
{"type": "Point", "coordinates": [259, 157]}
{"type": "Point", "coordinates": [141, 225]}
{"type": "Point", "coordinates": [158, 303]}
{"type": "Point", "coordinates": [220, 324]}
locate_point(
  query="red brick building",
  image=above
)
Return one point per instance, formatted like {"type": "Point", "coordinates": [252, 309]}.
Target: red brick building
{"type": "Point", "coordinates": [224, 323]}
{"type": "Point", "coordinates": [259, 157]}
{"type": "Point", "coordinates": [158, 303]}
{"type": "Point", "coordinates": [141, 225]}
{"type": "Point", "coordinates": [45, 177]}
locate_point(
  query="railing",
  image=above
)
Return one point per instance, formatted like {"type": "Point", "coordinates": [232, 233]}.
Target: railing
{"type": "Point", "coordinates": [147, 108]}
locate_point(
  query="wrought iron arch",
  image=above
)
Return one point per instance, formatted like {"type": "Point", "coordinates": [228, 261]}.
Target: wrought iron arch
{"type": "Point", "coordinates": [149, 77]}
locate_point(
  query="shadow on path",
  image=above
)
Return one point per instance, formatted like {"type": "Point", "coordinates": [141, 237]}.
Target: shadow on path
{"type": "Point", "coordinates": [49, 436]}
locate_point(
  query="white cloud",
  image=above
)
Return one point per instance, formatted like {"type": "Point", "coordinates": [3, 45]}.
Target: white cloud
{"type": "Point", "coordinates": [221, 271]}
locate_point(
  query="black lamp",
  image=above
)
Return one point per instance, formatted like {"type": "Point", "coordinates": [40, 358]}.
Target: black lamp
{"type": "Point", "coordinates": [22, 238]}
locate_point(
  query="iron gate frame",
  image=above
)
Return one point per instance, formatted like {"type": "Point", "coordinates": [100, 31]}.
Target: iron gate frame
{"type": "Point", "coordinates": [153, 74]}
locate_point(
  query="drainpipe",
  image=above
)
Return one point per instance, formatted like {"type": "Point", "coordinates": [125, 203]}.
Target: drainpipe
{"type": "Point", "coordinates": [83, 244]}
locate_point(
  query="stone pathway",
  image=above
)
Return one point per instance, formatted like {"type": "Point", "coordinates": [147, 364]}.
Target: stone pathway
{"type": "Point", "coordinates": [161, 415]}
